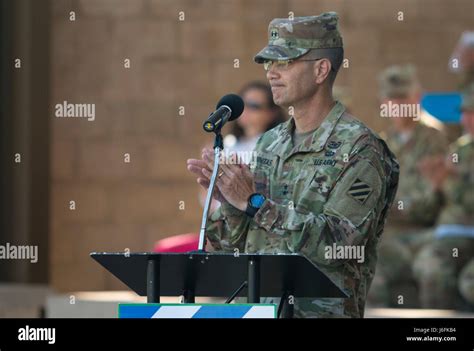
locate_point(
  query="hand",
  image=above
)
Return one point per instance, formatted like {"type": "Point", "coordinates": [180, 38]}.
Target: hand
{"type": "Point", "coordinates": [197, 167]}
{"type": "Point", "coordinates": [235, 181]}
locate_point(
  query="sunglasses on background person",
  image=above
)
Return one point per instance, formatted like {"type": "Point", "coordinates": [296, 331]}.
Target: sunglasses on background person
{"type": "Point", "coordinates": [253, 105]}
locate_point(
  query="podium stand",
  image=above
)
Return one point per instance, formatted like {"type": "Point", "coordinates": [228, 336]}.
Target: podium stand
{"type": "Point", "coordinates": [217, 274]}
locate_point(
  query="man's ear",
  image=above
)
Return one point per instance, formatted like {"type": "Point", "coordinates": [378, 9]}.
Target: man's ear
{"type": "Point", "coordinates": [322, 68]}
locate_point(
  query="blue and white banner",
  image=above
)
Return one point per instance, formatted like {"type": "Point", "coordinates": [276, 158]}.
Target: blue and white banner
{"type": "Point", "coordinates": [197, 311]}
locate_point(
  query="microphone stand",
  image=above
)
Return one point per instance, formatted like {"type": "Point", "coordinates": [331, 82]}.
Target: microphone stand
{"type": "Point", "coordinates": [218, 146]}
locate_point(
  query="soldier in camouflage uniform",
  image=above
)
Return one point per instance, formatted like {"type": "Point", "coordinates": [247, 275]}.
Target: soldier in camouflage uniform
{"type": "Point", "coordinates": [466, 282]}
{"type": "Point", "coordinates": [445, 268]}
{"type": "Point", "coordinates": [462, 59]}
{"type": "Point", "coordinates": [464, 53]}
{"type": "Point", "coordinates": [416, 204]}
{"type": "Point", "coordinates": [324, 177]}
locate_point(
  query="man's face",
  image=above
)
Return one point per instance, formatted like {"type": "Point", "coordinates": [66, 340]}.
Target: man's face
{"type": "Point", "coordinates": [292, 84]}
{"type": "Point", "coordinates": [467, 121]}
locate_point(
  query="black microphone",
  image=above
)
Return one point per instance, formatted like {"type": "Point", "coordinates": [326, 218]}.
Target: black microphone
{"type": "Point", "coordinates": [228, 108]}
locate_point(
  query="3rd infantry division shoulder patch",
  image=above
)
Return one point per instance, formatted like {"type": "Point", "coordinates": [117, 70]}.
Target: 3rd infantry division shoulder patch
{"type": "Point", "coordinates": [359, 190]}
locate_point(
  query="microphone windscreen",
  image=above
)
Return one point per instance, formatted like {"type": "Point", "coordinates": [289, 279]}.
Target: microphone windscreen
{"type": "Point", "coordinates": [235, 103]}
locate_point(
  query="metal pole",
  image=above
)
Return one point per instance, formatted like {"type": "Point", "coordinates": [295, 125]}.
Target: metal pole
{"type": "Point", "coordinates": [188, 296]}
{"type": "Point", "coordinates": [153, 281]}
{"type": "Point", "coordinates": [202, 232]}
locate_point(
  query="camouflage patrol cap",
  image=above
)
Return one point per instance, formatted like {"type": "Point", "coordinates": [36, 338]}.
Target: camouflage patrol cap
{"type": "Point", "coordinates": [292, 38]}
{"type": "Point", "coordinates": [398, 81]}
{"type": "Point", "coordinates": [468, 98]}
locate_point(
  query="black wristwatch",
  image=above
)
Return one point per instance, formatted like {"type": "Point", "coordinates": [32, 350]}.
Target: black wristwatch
{"type": "Point", "coordinates": [254, 203]}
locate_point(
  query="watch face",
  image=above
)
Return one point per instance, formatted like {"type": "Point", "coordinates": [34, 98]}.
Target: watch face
{"type": "Point", "coordinates": [257, 200]}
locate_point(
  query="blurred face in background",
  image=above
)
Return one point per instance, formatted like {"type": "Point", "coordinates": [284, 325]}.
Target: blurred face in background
{"type": "Point", "coordinates": [403, 122]}
{"type": "Point", "coordinates": [257, 113]}
{"type": "Point", "coordinates": [467, 121]}
{"type": "Point", "coordinates": [467, 59]}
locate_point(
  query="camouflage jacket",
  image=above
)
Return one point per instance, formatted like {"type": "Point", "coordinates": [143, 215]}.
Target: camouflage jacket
{"type": "Point", "coordinates": [335, 188]}
{"type": "Point", "coordinates": [416, 203]}
{"type": "Point", "coordinates": [459, 188]}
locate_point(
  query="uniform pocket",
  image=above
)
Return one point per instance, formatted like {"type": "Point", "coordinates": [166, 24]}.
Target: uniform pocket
{"type": "Point", "coordinates": [262, 167]}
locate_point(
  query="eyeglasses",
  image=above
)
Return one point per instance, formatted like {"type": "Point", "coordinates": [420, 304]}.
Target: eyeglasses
{"type": "Point", "coordinates": [283, 64]}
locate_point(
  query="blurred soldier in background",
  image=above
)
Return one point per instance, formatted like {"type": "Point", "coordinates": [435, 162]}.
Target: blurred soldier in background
{"type": "Point", "coordinates": [465, 50]}
{"type": "Point", "coordinates": [416, 204]}
{"type": "Point", "coordinates": [466, 282]}
{"type": "Point", "coordinates": [462, 62]}
{"type": "Point", "coordinates": [444, 268]}
{"type": "Point", "coordinates": [462, 59]}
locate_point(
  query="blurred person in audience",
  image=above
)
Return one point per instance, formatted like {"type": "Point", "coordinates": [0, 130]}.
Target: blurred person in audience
{"type": "Point", "coordinates": [444, 268]}
{"type": "Point", "coordinates": [461, 63]}
{"type": "Point", "coordinates": [462, 59]}
{"type": "Point", "coordinates": [260, 115]}
{"type": "Point", "coordinates": [417, 202]}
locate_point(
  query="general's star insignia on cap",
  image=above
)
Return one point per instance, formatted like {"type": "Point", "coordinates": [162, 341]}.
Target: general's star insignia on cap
{"type": "Point", "coordinates": [359, 190]}
{"type": "Point", "coordinates": [274, 33]}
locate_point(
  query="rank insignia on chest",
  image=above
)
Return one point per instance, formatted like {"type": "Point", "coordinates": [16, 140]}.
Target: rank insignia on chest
{"type": "Point", "coordinates": [283, 191]}
{"type": "Point", "coordinates": [359, 190]}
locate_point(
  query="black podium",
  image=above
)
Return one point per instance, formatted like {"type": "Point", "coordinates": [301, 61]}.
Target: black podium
{"type": "Point", "coordinates": [220, 275]}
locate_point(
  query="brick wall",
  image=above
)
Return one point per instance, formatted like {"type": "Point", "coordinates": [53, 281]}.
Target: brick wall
{"type": "Point", "coordinates": [188, 63]}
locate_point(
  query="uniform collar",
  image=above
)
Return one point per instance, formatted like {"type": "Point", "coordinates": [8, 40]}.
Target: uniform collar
{"type": "Point", "coordinates": [284, 149]}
